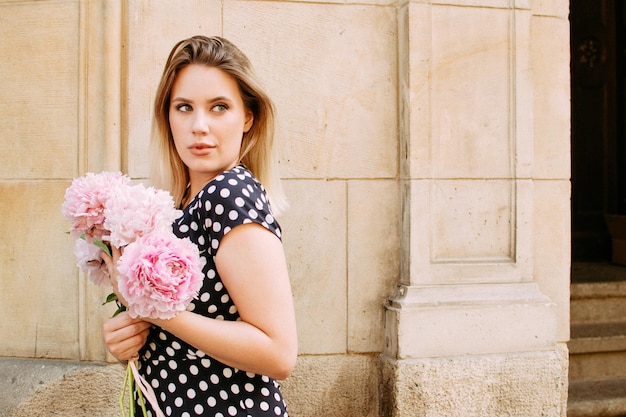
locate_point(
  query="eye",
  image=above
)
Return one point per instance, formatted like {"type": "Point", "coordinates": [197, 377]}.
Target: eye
{"type": "Point", "coordinates": [219, 108]}
{"type": "Point", "coordinates": [183, 108]}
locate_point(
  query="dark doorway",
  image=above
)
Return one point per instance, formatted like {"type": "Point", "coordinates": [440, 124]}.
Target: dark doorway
{"type": "Point", "coordinates": [598, 128]}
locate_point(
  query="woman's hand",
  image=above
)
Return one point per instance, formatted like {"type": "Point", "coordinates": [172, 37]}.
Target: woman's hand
{"type": "Point", "coordinates": [124, 336]}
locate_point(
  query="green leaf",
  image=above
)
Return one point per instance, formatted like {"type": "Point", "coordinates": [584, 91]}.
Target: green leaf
{"type": "Point", "coordinates": [110, 297]}
{"type": "Point", "coordinates": [102, 246]}
{"type": "Point", "coordinates": [119, 310]}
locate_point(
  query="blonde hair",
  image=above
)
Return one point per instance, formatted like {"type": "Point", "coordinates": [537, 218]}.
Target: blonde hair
{"type": "Point", "coordinates": [257, 148]}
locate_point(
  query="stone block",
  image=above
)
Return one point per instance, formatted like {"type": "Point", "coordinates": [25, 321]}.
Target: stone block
{"type": "Point", "coordinates": [449, 320]}
{"type": "Point", "coordinates": [414, 59]}
{"type": "Point", "coordinates": [333, 82]}
{"type": "Point", "coordinates": [551, 8]}
{"type": "Point", "coordinates": [373, 259]}
{"type": "Point", "coordinates": [469, 231]}
{"type": "Point", "coordinates": [314, 235]}
{"type": "Point", "coordinates": [338, 386]}
{"type": "Point", "coordinates": [471, 220]}
{"type": "Point", "coordinates": [39, 74]}
{"type": "Point", "coordinates": [513, 384]}
{"type": "Point", "coordinates": [551, 233]}
{"type": "Point", "coordinates": [551, 70]}
{"type": "Point", "coordinates": [372, 2]}
{"type": "Point", "coordinates": [471, 103]}
{"type": "Point", "coordinates": [39, 301]}
{"type": "Point", "coordinates": [496, 4]}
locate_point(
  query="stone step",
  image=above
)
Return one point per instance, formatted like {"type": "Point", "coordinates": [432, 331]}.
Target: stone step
{"type": "Point", "coordinates": [597, 351]}
{"type": "Point", "coordinates": [597, 337]}
{"type": "Point", "coordinates": [606, 398]}
{"type": "Point", "coordinates": [598, 302]}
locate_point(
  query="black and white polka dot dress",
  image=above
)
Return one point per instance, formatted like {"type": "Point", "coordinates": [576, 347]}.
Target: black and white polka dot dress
{"type": "Point", "coordinates": [186, 381]}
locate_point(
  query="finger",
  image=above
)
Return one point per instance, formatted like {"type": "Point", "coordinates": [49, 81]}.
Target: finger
{"type": "Point", "coordinates": [131, 346]}
{"type": "Point", "coordinates": [107, 260]}
{"type": "Point", "coordinates": [125, 352]}
{"type": "Point", "coordinates": [120, 321]}
{"type": "Point", "coordinates": [116, 333]}
{"type": "Point", "coordinates": [126, 347]}
{"type": "Point", "coordinates": [116, 253]}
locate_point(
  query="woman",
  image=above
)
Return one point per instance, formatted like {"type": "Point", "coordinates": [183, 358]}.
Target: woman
{"type": "Point", "coordinates": [213, 132]}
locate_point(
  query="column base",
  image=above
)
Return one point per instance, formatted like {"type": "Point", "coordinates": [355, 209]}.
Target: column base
{"type": "Point", "coordinates": [506, 384]}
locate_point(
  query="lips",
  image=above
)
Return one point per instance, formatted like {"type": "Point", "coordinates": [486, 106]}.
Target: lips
{"type": "Point", "coordinates": [201, 149]}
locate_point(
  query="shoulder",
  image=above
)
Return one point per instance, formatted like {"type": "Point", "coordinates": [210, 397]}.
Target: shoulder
{"type": "Point", "coordinates": [237, 187]}
{"type": "Point", "coordinates": [237, 197]}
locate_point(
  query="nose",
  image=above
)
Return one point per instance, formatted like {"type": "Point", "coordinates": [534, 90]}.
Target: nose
{"type": "Point", "coordinates": [200, 123]}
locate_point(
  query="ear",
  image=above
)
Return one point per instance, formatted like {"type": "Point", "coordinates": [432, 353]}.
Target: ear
{"type": "Point", "coordinates": [247, 125]}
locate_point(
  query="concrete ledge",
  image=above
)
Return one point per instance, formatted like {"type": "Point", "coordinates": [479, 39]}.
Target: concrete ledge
{"type": "Point", "coordinates": [43, 387]}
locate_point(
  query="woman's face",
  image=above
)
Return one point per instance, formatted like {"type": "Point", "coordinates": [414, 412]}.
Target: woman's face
{"type": "Point", "coordinates": [208, 119]}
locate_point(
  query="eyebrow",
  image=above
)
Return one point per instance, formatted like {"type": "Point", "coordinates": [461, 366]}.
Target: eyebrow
{"type": "Point", "coordinates": [213, 100]}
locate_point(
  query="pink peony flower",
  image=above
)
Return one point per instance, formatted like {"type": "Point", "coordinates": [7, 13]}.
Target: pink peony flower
{"type": "Point", "coordinates": [89, 260]}
{"type": "Point", "coordinates": [159, 275]}
{"type": "Point", "coordinates": [85, 200]}
{"type": "Point", "coordinates": [134, 211]}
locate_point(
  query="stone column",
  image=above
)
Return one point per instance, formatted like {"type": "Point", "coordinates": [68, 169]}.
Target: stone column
{"type": "Point", "coordinates": [100, 95]}
{"type": "Point", "coordinates": [468, 331]}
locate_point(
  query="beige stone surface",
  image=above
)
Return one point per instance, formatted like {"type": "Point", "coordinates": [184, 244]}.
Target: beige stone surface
{"type": "Point", "coordinates": [464, 231]}
{"type": "Point", "coordinates": [552, 243]}
{"type": "Point", "coordinates": [468, 90]}
{"type": "Point", "coordinates": [471, 92]}
{"type": "Point", "coordinates": [440, 321]}
{"type": "Point", "coordinates": [471, 221]}
{"type": "Point", "coordinates": [357, 2]}
{"type": "Point", "coordinates": [551, 8]}
{"type": "Point", "coordinates": [499, 4]}
{"type": "Point", "coordinates": [552, 99]}
{"type": "Point", "coordinates": [39, 72]}
{"type": "Point", "coordinates": [414, 56]}
{"type": "Point", "coordinates": [39, 297]}
{"type": "Point", "coordinates": [314, 234]}
{"type": "Point", "coordinates": [333, 385]}
{"type": "Point", "coordinates": [521, 385]}
{"type": "Point", "coordinates": [373, 259]}
{"type": "Point", "coordinates": [333, 82]}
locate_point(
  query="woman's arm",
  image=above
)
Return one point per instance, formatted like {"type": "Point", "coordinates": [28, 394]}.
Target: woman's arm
{"type": "Point", "coordinates": [251, 263]}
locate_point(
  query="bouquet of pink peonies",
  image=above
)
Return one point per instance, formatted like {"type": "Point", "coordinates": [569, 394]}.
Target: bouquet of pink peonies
{"type": "Point", "coordinates": [159, 273]}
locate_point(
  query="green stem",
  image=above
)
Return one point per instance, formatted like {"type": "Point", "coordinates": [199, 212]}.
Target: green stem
{"type": "Point", "coordinates": [131, 397]}
{"type": "Point", "coordinates": [123, 394]}
{"type": "Point", "coordinates": [142, 402]}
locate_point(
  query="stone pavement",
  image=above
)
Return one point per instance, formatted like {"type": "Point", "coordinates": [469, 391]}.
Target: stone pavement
{"type": "Point", "coordinates": [44, 387]}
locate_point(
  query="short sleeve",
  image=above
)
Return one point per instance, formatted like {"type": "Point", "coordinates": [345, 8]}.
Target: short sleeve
{"type": "Point", "coordinates": [231, 199]}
